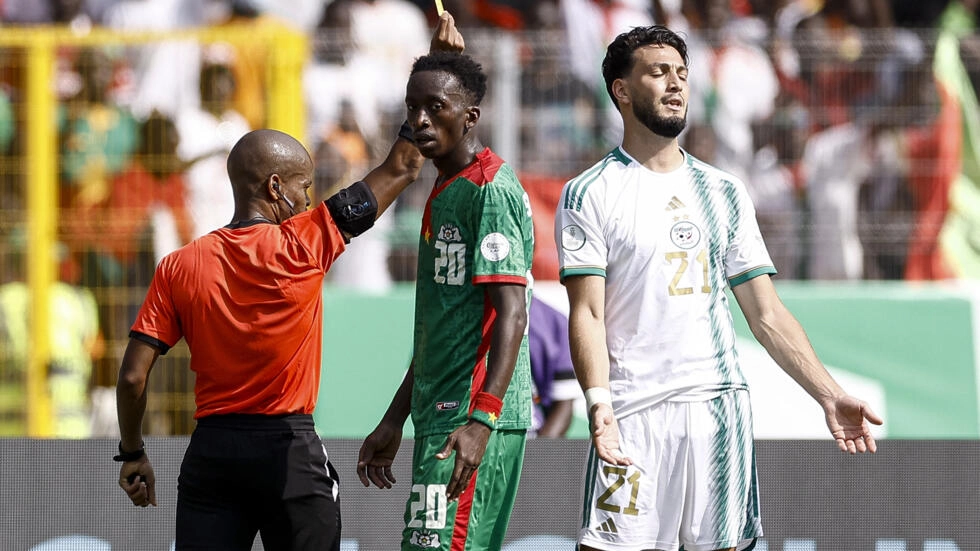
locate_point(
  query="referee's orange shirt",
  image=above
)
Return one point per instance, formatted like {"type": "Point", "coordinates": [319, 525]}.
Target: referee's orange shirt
{"type": "Point", "coordinates": [248, 302]}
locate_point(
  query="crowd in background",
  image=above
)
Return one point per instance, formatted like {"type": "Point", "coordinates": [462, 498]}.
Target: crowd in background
{"type": "Point", "coordinates": [852, 122]}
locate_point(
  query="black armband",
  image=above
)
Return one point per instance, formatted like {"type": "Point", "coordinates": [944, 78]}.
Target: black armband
{"type": "Point", "coordinates": [354, 209]}
{"type": "Point", "coordinates": [406, 132]}
{"type": "Point", "coordinates": [125, 457]}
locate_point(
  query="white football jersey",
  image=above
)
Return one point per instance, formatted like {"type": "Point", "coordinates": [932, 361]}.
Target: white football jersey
{"type": "Point", "coordinates": [668, 245]}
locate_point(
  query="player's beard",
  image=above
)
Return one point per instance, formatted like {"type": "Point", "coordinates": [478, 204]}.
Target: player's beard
{"type": "Point", "coordinates": [668, 127]}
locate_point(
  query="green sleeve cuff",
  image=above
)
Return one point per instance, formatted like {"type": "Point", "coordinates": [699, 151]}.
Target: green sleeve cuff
{"type": "Point", "coordinates": [741, 278]}
{"type": "Point", "coordinates": [583, 270]}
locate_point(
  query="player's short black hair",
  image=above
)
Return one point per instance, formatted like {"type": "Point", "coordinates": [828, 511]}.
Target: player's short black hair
{"type": "Point", "coordinates": [467, 71]}
{"type": "Point", "coordinates": [619, 55]}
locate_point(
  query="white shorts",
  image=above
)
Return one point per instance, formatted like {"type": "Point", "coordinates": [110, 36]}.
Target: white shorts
{"type": "Point", "coordinates": [692, 482]}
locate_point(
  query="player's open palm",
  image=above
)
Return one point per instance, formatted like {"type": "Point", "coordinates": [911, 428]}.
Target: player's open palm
{"type": "Point", "coordinates": [377, 455]}
{"type": "Point", "coordinates": [605, 435]}
{"type": "Point", "coordinates": [847, 419]}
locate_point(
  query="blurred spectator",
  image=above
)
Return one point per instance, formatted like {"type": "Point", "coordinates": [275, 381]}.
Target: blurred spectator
{"type": "Point", "coordinates": [97, 137]}
{"type": "Point", "coordinates": [333, 77]}
{"type": "Point", "coordinates": [157, 81]}
{"type": "Point", "coordinates": [207, 134]}
{"type": "Point", "coordinates": [302, 15]}
{"type": "Point", "coordinates": [773, 183]}
{"type": "Point", "coordinates": [590, 25]}
{"type": "Point", "coordinates": [74, 341]}
{"type": "Point", "coordinates": [11, 141]}
{"type": "Point", "coordinates": [341, 155]}
{"type": "Point", "coordinates": [250, 62]}
{"type": "Point", "coordinates": [74, 13]}
{"type": "Point", "coordinates": [555, 386]}
{"type": "Point", "coordinates": [834, 165]}
{"type": "Point", "coordinates": [122, 226]}
{"type": "Point", "coordinates": [387, 36]}
{"type": "Point", "coordinates": [559, 110]}
{"type": "Point", "coordinates": [961, 225]}
{"type": "Point", "coordinates": [115, 238]}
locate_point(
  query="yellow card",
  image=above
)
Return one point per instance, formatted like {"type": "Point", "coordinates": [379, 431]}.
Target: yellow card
{"type": "Point", "coordinates": [439, 8]}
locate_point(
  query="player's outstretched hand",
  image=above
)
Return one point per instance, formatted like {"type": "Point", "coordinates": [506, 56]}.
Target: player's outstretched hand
{"type": "Point", "coordinates": [605, 435]}
{"type": "Point", "coordinates": [377, 455]}
{"type": "Point", "coordinates": [136, 478]}
{"type": "Point", "coordinates": [847, 419]}
{"type": "Point", "coordinates": [447, 37]}
{"type": "Point", "coordinates": [470, 443]}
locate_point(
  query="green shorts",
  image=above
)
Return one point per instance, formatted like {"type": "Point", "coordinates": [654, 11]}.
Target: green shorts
{"type": "Point", "coordinates": [478, 520]}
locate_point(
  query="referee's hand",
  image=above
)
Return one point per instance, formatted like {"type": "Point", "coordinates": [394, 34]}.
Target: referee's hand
{"type": "Point", "coordinates": [447, 37]}
{"type": "Point", "coordinates": [137, 480]}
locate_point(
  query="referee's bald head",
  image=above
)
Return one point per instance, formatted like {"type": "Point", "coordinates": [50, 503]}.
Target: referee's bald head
{"type": "Point", "coordinates": [261, 153]}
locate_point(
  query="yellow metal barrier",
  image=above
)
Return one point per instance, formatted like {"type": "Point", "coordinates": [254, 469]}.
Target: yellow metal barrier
{"type": "Point", "coordinates": [42, 209]}
{"type": "Point", "coordinates": [287, 51]}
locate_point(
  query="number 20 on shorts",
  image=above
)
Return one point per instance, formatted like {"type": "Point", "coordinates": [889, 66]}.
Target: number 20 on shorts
{"type": "Point", "coordinates": [430, 498]}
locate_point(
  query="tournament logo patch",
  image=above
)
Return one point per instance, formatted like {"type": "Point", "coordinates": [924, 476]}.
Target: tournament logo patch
{"type": "Point", "coordinates": [572, 238]}
{"type": "Point", "coordinates": [424, 539]}
{"type": "Point", "coordinates": [685, 234]}
{"type": "Point", "coordinates": [495, 247]}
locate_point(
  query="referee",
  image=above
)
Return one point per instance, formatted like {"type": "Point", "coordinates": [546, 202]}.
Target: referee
{"type": "Point", "coordinates": [247, 299]}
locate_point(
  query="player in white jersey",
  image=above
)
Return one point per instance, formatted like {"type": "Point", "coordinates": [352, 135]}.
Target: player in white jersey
{"type": "Point", "coordinates": [649, 239]}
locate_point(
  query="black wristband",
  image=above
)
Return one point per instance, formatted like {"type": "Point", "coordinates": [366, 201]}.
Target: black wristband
{"type": "Point", "coordinates": [124, 457]}
{"type": "Point", "coordinates": [406, 132]}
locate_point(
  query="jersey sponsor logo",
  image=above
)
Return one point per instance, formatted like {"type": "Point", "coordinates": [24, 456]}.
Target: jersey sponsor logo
{"type": "Point", "coordinates": [572, 238]}
{"type": "Point", "coordinates": [446, 406]}
{"type": "Point", "coordinates": [495, 247]}
{"type": "Point", "coordinates": [424, 539]}
{"type": "Point", "coordinates": [685, 234]}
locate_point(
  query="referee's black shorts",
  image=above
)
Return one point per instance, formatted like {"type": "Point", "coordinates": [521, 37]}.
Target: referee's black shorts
{"type": "Point", "coordinates": [248, 474]}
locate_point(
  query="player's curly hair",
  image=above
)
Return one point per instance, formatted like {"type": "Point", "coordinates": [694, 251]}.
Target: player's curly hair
{"type": "Point", "coordinates": [467, 71]}
{"type": "Point", "coordinates": [619, 58]}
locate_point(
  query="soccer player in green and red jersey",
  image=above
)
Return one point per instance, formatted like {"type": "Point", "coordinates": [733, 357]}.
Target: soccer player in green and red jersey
{"type": "Point", "coordinates": [469, 387]}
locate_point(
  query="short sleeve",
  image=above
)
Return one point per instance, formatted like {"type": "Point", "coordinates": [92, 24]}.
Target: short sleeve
{"type": "Point", "coordinates": [157, 317]}
{"type": "Point", "coordinates": [316, 230]}
{"type": "Point", "coordinates": [747, 256]}
{"type": "Point", "coordinates": [581, 243]}
{"type": "Point", "coordinates": [504, 229]}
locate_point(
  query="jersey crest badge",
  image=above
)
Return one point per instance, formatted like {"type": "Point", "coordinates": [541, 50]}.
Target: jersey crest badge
{"type": "Point", "coordinates": [424, 539]}
{"type": "Point", "coordinates": [449, 233]}
{"type": "Point", "coordinates": [685, 234]}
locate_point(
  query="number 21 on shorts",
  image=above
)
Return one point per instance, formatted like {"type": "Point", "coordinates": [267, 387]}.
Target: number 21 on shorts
{"type": "Point", "coordinates": [620, 482]}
